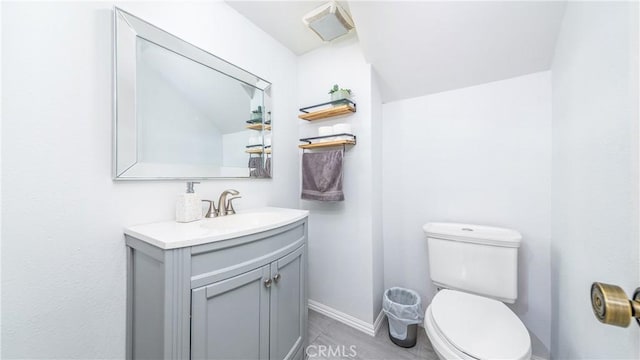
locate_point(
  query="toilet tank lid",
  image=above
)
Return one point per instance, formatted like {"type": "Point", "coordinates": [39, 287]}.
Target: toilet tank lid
{"type": "Point", "coordinates": [478, 234]}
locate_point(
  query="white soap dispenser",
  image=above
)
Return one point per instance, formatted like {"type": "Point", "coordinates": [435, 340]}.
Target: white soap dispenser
{"type": "Point", "coordinates": [188, 205]}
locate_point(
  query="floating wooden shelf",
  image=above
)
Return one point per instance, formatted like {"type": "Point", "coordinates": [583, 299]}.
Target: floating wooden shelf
{"type": "Point", "coordinates": [327, 113]}
{"type": "Point", "coordinates": [340, 107]}
{"type": "Point", "coordinates": [313, 143]}
{"type": "Point", "coordinates": [327, 144]}
{"type": "Point", "coordinates": [259, 127]}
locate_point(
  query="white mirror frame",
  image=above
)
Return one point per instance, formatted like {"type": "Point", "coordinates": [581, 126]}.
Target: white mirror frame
{"type": "Point", "coordinates": [127, 28]}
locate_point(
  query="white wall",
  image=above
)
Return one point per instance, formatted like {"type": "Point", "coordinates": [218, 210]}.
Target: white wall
{"type": "Point", "coordinates": [595, 175]}
{"type": "Point", "coordinates": [477, 155]}
{"type": "Point", "coordinates": [63, 255]}
{"type": "Point", "coordinates": [376, 193]}
{"type": "Point", "coordinates": [1, 96]}
{"type": "Point", "coordinates": [342, 266]}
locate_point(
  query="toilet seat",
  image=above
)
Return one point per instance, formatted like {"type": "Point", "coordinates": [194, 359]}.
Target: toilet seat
{"type": "Point", "coordinates": [476, 327]}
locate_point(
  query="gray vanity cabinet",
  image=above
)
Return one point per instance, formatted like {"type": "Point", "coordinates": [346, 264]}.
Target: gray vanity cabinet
{"type": "Point", "coordinates": [288, 306]}
{"type": "Point", "coordinates": [241, 298]}
{"type": "Point", "coordinates": [217, 332]}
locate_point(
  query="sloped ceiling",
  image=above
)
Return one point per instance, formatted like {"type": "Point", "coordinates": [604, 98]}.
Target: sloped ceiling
{"type": "Point", "coordinates": [420, 48]}
{"type": "Point", "coordinates": [425, 47]}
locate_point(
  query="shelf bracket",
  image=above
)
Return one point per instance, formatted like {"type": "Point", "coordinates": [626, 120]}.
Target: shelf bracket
{"type": "Point", "coordinates": [334, 102]}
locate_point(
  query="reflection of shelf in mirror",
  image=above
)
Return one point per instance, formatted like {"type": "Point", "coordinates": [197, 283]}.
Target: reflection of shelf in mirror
{"type": "Point", "coordinates": [258, 150]}
{"type": "Point", "coordinates": [348, 107]}
{"type": "Point", "coordinates": [259, 127]}
{"type": "Point", "coordinates": [327, 141]}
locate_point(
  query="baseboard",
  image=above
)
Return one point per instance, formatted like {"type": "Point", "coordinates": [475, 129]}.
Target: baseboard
{"type": "Point", "coordinates": [378, 323]}
{"type": "Point", "coordinates": [365, 327]}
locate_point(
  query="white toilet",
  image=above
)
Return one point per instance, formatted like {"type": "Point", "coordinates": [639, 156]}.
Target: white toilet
{"type": "Point", "coordinates": [476, 268]}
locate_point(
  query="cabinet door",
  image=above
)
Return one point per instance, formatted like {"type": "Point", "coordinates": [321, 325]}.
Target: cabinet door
{"type": "Point", "coordinates": [230, 318]}
{"type": "Point", "coordinates": [288, 305]}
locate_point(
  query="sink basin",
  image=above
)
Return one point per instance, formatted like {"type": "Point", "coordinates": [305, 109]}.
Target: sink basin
{"type": "Point", "coordinates": [246, 220]}
{"type": "Point", "coordinates": [172, 235]}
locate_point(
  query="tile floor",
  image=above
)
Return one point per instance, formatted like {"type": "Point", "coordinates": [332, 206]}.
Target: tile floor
{"type": "Point", "coordinates": [324, 331]}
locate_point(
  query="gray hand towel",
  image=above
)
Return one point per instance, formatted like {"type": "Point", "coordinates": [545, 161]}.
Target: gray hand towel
{"type": "Point", "coordinates": [322, 176]}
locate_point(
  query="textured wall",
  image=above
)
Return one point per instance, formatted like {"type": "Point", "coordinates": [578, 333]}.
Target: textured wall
{"type": "Point", "coordinates": [63, 255]}
{"type": "Point", "coordinates": [479, 155]}
{"type": "Point", "coordinates": [344, 274]}
{"type": "Point", "coordinates": [595, 175]}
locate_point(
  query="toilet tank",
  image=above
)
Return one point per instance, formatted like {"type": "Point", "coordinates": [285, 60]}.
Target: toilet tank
{"type": "Point", "coordinates": [478, 259]}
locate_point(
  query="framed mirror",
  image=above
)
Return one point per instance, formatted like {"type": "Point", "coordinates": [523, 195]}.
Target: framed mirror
{"type": "Point", "coordinates": [182, 112]}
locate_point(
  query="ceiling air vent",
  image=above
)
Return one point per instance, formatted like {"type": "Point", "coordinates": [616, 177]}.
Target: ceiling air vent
{"type": "Point", "coordinates": [329, 21]}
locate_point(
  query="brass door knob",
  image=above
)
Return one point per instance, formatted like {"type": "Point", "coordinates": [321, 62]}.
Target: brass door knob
{"type": "Point", "coordinates": [611, 306]}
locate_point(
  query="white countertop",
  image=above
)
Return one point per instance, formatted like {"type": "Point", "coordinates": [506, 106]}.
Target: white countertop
{"type": "Point", "coordinates": [172, 234]}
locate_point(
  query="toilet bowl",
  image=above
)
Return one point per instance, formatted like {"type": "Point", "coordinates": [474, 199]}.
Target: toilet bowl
{"type": "Point", "coordinates": [466, 326]}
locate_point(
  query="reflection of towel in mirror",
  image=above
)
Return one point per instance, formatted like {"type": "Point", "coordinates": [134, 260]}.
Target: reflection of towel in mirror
{"type": "Point", "coordinates": [255, 162]}
{"type": "Point", "coordinates": [258, 168]}
{"type": "Point", "coordinates": [322, 176]}
{"type": "Point", "coordinates": [267, 167]}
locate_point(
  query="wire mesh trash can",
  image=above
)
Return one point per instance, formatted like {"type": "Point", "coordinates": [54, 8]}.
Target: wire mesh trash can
{"type": "Point", "coordinates": [403, 308]}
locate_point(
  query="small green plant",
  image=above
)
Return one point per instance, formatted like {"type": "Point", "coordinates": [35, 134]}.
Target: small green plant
{"type": "Point", "coordinates": [337, 88]}
{"type": "Point", "coordinates": [256, 114]}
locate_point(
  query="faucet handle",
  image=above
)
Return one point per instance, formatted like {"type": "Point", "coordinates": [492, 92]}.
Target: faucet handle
{"type": "Point", "coordinates": [212, 211]}
{"type": "Point", "coordinates": [229, 207]}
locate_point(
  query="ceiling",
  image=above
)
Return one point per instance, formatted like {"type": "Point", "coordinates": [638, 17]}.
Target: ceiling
{"type": "Point", "coordinates": [425, 47]}
{"type": "Point", "coordinates": [283, 21]}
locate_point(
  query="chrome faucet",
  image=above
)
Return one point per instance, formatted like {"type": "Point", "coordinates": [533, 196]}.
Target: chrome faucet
{"type": "Point", "coordinates": [225, 207]}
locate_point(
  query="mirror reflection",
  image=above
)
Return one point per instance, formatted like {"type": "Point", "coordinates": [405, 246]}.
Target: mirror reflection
{"type": "Point", "coordinates": [190, 118]}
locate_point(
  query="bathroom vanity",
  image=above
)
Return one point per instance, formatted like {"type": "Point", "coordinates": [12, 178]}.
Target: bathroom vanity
{"type": "Point", "coordinates": [232, 287]}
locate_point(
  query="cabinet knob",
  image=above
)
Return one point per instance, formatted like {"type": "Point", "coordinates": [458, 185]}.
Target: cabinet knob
{"type": "Point", "coordinates": [277, 277]}
{"type": "Point", "coordinates": [267, 283]}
